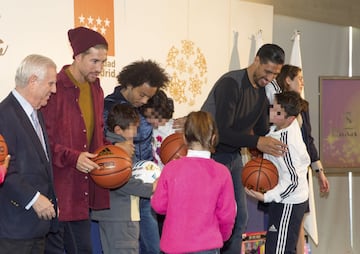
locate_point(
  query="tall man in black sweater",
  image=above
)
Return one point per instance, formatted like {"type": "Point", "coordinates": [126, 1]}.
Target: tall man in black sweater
{"type": "Point", "coordinates": [240, 107]}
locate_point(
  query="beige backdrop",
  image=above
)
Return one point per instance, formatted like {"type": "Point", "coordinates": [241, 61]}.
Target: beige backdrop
{"type": "Point", "coordinates": [143, 30]}
{"type": "Point", "coordinates": [148, 29]}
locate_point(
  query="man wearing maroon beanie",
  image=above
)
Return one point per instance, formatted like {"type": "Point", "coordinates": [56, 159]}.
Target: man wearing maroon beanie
{"type": "Point", "coordinates": [74, 121]}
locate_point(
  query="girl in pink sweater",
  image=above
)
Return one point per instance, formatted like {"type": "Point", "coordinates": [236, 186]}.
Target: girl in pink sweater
{"type": "Point", "coordinates": [195, 194]}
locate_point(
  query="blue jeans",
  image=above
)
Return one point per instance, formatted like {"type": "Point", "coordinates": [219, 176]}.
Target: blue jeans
{"type": "Point", "coordinates": [149, 230]}
{"type": "Point", "coordinates": [95, 238]}
{"type": "Point", "coordinates": [233, 162]}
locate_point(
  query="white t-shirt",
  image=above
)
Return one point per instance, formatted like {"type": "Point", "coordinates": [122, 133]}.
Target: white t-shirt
{"type": "Point", "coordinates": [271, 89]}
{"type": "Point", "coordinates": [292, 187]}
{"type": "Point", "coordinates": [158, 137]}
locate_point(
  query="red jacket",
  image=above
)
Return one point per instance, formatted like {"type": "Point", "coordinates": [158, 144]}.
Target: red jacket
{"type": "Point", "coordinates": [75, 190]}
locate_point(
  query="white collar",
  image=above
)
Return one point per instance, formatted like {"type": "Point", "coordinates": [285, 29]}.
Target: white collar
{"type": "Point", "coordinates": [23, 102]}
{"type": "Point", "coordinates": [198, 153]}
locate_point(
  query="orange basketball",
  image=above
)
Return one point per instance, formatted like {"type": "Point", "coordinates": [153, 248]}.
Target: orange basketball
{"type": "Point", "coordinates": [3, 150]}
{"type": "Point", "coordinates": [173, 147]}
{"type": "Point", "coordinates": [260, 174]}
{"type": "Point", "coordinates": [115, 167]}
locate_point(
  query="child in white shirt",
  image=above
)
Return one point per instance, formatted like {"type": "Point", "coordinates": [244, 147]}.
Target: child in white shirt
{"type": "Point", "coordinates": [158, 111]}
{"type": "Point", "coordinates": [289, 198]}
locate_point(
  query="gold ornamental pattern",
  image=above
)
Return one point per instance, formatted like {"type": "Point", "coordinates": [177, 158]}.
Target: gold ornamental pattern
{"type": "Point", "coordinates": [187, 68]}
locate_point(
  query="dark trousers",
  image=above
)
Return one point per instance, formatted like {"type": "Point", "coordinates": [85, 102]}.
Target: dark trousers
{"type": "Point", "coordinates": [284, 225]}
{"type": "Point", "coordinates": [233, 162]}
{"type": "Point", "coordinates": [74, 237]}
{"type": "Point", "coordinates": [28, 246]}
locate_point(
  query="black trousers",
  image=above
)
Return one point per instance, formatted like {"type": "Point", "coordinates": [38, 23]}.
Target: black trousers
{"type": "Point", "coordinates": [28, 246]}
{"type": "Point", "coordinates": [74, 237]}
{"type": "Point", "coordinates": [284, 226]}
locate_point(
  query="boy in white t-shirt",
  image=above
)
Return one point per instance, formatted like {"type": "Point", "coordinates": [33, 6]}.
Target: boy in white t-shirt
{"type": "Point", "coordinates": [289, 198]}
{"type": "Point", "coordinates": [159, 112]}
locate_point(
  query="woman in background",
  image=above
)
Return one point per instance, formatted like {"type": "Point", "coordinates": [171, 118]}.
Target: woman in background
{"type": "Point", "coordinates": [290, 78]}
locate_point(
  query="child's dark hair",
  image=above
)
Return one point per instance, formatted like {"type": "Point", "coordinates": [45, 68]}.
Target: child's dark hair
{"type": "Point", "coordinates": [162, 105]}
{"type": "Point", "coordinates": [122, 115]}
{"type": "Point", "coordinates": [291, 102]}
{"type": "Point", "coordinates": [200, 127]}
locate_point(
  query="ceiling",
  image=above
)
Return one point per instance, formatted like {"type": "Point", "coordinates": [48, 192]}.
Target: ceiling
{"type": "Point", "coordinates": [343, 13]}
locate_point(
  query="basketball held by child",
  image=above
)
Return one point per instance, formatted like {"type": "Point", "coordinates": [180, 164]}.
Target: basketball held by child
{"type": "Point", "coordinates": [3, 150]}
{"type": "Point", "coordinates": [115, 167]}
{"type": "Point", "coordinates": [259, 174]}
{"type": "Point", "coordinates": [173, 147]}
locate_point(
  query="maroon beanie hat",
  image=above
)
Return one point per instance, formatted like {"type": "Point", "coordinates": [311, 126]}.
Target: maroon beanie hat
{"type": "Point", "coordinates": [82, 38]}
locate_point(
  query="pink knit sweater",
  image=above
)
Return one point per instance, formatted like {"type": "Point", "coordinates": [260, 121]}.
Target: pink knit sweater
{"type": "Point", "coordinates": [197, 196]}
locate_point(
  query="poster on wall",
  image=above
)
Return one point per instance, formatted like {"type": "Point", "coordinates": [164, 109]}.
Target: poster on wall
{"type": "Point", "coordinates": [340, 123]}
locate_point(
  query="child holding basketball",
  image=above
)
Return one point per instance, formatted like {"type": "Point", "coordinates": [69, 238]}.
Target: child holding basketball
{"type": "Point", "coordinates": [3, 168]}
{"type": "Point", "coordinates": [289, 198]}
{"type": "Point", "coordinates": [291, 78]}
{"type": "Point", "coordinates": [158, 111]}
{"type": "Point", "coordinates": [119, 225]}
{"type": "Point", "coordinates": [5, 159]}
{"type": "Point", "coordinates": [196, 194]}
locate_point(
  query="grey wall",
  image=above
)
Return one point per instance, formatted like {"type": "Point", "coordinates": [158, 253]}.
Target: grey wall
{"type": "Point", "coordinates": [324, 50]}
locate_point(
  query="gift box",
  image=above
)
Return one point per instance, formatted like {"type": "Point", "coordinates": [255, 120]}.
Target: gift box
{"type": "Point", "coordinates": [253, 243]}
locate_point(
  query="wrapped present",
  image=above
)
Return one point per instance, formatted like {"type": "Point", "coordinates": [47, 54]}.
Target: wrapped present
{"type": "Point", "coordinates": [253, 243]}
